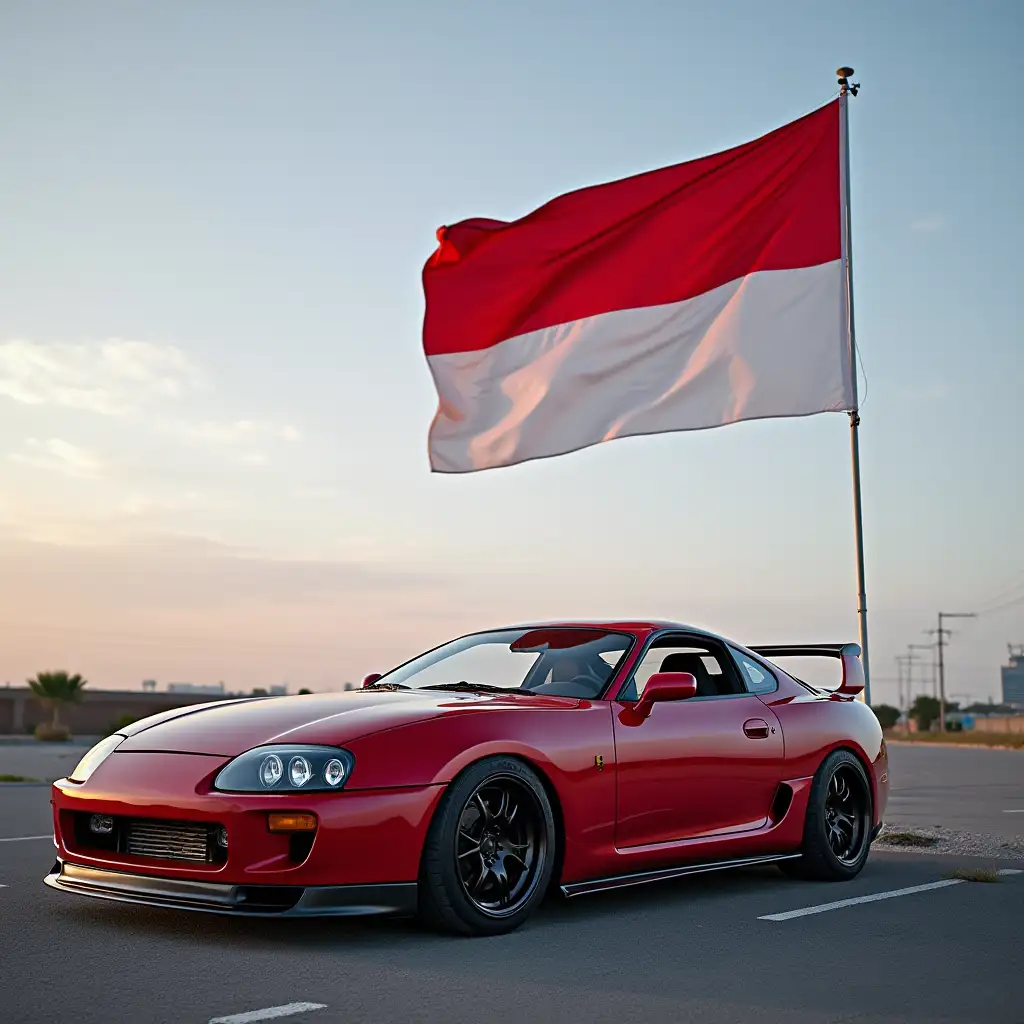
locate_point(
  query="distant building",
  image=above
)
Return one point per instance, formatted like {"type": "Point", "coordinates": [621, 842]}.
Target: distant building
{"type": "Point", "coordinates": [278, 691]}
{"type": "Point", "coordinates": [1013, 679]}
{"type": "Point", "coordinates": [195, 687]}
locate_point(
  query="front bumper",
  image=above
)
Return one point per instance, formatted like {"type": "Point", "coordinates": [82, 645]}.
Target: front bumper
{"type": "Point", "coordinates": [363, 837]}
{"type": "Point", "coordinates": [240, 900]}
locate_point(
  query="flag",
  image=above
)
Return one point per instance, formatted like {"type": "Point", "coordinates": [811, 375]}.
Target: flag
{"type": "Point", "coordinates": [683, 298]}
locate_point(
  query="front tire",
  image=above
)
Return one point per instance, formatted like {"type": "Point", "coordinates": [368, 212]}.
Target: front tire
{"type": "Point", "coordinates": [837, 827]}
{"type": "Point", "coordinates": [490, 850]}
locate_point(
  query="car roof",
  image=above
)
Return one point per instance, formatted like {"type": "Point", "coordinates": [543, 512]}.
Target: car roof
{"type": "Point", "coordinates": [627, 625]}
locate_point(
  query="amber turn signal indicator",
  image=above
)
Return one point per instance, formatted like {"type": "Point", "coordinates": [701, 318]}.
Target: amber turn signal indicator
{"type": "Point", "coordinates": [291, 822]}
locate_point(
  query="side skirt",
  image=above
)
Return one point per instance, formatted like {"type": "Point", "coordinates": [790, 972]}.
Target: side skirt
{"type": "Point", "coordinates": [663, 874]}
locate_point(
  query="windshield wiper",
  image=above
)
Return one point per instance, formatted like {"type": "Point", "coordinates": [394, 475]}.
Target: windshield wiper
{"type": "Point", "coordinates": [463, 687]}
{"type": "Point", "coordinates": [386, 686]}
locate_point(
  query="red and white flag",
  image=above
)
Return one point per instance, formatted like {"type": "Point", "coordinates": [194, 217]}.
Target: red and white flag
{"type": "Point", "coordinates": [689, 297]}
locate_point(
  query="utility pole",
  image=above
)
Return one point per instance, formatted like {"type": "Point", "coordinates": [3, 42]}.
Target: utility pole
{"type": "Point", "coordinates": [930, 648]}
{"type": "Point", "coordinates": [941, 633]}
{"type": "Point", "coordinates": [899, 681]}
{"type": "Point", "coordinates": [908, 661]}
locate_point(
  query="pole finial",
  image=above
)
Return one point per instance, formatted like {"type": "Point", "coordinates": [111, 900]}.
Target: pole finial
{"type": "Point", "coordinates": [845, 85]}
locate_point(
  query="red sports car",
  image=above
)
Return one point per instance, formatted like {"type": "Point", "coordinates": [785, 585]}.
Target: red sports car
{"type": "Point", "coordinates": [466, 783]}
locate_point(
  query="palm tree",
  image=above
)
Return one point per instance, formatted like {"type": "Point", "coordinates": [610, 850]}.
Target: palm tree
{"type": "Point", "coordinates": [56, 688]}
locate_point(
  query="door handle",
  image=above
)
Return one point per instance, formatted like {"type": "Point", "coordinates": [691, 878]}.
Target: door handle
{"type": "Point", "coordinates": [756, 728]}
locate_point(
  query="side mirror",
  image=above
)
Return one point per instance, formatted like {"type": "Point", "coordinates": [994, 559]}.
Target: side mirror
{"type": "Point", "coordinates": [371, 678]}
{"type": "Point", "coordinates": [666, 686]}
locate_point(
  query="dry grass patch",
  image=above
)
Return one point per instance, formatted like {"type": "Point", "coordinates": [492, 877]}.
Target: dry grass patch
{"type": "Point", "coordinates": [975, 874]}
{"type": "Point", "coordinates": [904, 838]}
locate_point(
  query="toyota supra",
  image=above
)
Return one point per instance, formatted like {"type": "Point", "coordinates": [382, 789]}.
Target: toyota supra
{"type": "Point", "coordinates": [465, 785]}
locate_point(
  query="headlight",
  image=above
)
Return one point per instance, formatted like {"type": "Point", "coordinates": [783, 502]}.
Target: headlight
{"type": "Point", "coordinates": [95, 758]}
{"type": "Point", "coordinates": [286, 769]}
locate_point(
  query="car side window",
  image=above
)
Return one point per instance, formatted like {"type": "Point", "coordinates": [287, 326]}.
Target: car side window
{"type": "Point", "coordinates": [716, 677]}
{"type": "Point", "coordinates": [649, 664]}
{"type": "Point", "coordinates": [756, 677]}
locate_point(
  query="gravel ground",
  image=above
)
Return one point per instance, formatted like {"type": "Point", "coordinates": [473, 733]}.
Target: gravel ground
{"type": "Point", "coordinates": [898, 838]}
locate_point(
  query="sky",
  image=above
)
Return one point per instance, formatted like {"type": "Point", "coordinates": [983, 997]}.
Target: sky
{"type": "Point", "coordinates": [213, 396]}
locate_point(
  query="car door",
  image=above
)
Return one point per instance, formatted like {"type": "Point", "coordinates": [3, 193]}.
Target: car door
{"type": "Point", "coordinates": [702, 766]}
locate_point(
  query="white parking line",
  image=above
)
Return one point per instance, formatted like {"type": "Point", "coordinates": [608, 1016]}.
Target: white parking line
{"type": "Point", "coordinates": [268, 1013]}
{"type": "Point", "coordinates": [822, 907]}
{"type": "Point", "coordinates": [23, 839]}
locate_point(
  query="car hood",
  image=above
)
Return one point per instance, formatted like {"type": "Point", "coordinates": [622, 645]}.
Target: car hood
{"type": "Point", "coordinates": [228, 728]}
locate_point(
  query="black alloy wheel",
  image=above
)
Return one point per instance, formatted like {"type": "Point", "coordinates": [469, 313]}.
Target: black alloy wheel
{"type": "Point", "coordinates": [845, 806]}
{"type": "Point", "coordinates": [501, 844]}
{"type": "Point", "coordinates": [489, 854]}
{"type": "Point", "coordinates": [837, 827]}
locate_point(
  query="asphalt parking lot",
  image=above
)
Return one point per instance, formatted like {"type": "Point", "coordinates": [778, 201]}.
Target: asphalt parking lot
{"type": "Point", "coordinates": [721, 947]}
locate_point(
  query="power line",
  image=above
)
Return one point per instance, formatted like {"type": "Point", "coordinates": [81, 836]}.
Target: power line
{"type": "Point", "coordinates": [909, 661]}
{"type": "Point", "coordinates": [1002, 607]}
{"type": "Point", "coordinates": [1013, 583]}
{"type": "Point", "coordinates": [931, 648]}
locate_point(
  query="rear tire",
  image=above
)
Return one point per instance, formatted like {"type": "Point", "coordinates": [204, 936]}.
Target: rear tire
{"type": "Point", "coordinates": [837, 826]}
{"type": "Point", "coordinates": [490, 850]}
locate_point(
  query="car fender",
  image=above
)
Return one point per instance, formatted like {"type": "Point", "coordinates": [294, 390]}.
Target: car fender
{"type": "Point", "coordinates": [813, 728]}
{"type": "Point", "coordinates": [572, 748]}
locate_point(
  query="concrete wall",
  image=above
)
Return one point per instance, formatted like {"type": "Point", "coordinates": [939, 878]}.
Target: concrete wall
{"type": "Point", "coordinates": [999, 723]}
{"type": "Point", "coordinates": [21, 712]}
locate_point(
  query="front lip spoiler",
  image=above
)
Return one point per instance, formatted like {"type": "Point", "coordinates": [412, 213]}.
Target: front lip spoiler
{"type": "Point", "coordinates": [398, 898]}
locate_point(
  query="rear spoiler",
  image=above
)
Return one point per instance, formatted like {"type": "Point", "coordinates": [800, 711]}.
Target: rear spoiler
{"type": "Point", "coordinates": [848, 654]}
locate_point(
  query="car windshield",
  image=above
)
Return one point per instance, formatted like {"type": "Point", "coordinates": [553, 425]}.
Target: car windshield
{"type": "Point", "coordinates": [561, 661]}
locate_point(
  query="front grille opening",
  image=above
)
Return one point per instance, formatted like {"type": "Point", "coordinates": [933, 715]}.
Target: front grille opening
{"type": "Point", "coordinates": [193, 842]}
{"type": "Point", "coordinates": [169, 840]}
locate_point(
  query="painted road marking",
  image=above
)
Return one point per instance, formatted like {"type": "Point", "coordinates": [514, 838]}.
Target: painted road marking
{"type": "Point", "coordinates": [269, 1013]}
{"type": "Point", "coordinates": [23, 839]}
{"type": "Point", "coordinates": [1010, 871]}
{"type": "Point", "coordinates": [1014, 810]}
{"type": "Point", "coordinates": [822, 907]}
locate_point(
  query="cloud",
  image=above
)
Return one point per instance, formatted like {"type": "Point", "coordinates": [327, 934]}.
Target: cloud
{"type": "Point", "coordinates": [111, 378]}
{"type": "Point", "coordinates": [197, 573]}
{"type": "Point", "coordinates": [184, 608]}
{"type": "Point", "coordinates": [121, 378]}
{"type": "Point", "coordinates": [318, 491]}
{"type": "Point", "coordinates": [929, 224]}
{"type": "Point", "coordinates": [61, 457]}
{"type": "Point", "coordinates": [237, 432]}
{"type": "Point", "coordinates": [143, 505]}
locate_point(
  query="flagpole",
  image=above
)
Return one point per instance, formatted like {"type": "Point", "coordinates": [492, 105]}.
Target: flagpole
{"type": "Point", "coordinates": [847, 89]}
